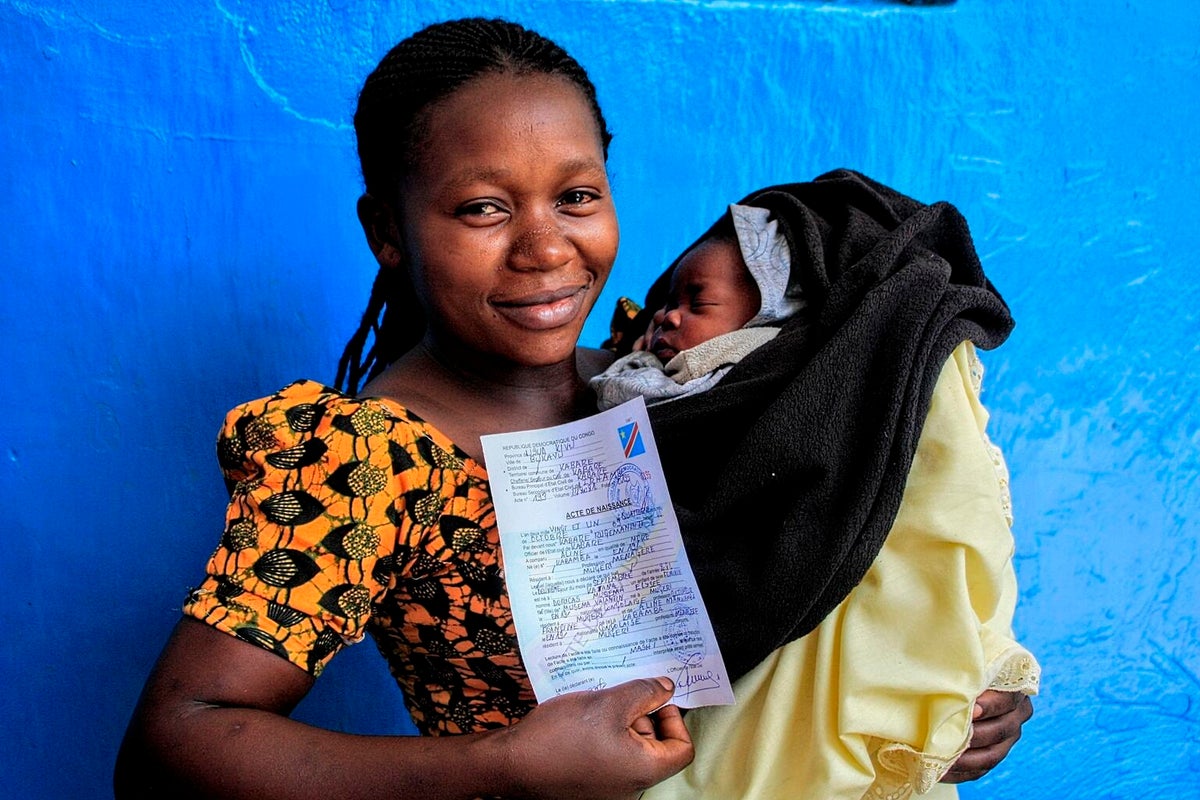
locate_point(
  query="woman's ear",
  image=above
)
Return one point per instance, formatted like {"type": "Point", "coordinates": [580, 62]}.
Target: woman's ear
{"type": "Point", "coordinates": [383, 234]}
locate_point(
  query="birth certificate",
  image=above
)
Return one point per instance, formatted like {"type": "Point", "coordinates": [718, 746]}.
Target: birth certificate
{"type": "Point", "coordinates": [599, 582]}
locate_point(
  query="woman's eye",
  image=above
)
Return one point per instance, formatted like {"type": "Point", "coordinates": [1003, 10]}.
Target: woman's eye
{"type": "Point", "coordinates": [482, 208]}
{"type": "Point", "coordinates": [577, 197]}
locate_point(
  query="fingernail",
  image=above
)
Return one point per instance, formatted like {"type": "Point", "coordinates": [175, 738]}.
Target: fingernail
{"type": "Point", "coordinates": [666, 683]}
{"type": "Point", "coordinates": [977, 712]}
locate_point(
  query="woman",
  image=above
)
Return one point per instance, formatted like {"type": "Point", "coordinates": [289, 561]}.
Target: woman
{"type": "Point", "coordinates": [492, 207]}
{"type": "Point", "coordinates": [488, 210]}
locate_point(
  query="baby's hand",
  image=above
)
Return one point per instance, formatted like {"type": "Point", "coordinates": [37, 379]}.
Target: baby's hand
{"type": "Point", "coordinates": [643, 341]}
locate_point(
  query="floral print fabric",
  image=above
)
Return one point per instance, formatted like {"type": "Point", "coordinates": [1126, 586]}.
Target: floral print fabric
{"type": "Point", "coordinates": [350, 516]}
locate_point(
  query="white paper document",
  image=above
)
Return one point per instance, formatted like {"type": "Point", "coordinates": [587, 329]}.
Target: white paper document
{"type": "Point", "coordinates": [600, 585]}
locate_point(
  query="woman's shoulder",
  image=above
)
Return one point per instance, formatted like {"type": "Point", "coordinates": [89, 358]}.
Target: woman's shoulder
{"type": "Point", "coordinates": [591, 361]}
{"type": "Point", "coordinates": [307, 421]}
{"type": "Point", "coordinates": [304, 407]}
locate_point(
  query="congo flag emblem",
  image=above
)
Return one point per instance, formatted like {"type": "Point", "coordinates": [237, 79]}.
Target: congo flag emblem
{"type": "Point", "coordinates": [631, 440]}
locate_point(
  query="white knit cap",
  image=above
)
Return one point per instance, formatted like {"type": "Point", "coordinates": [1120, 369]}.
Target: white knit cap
{"type": "Point", "coordinates": [766, 253]}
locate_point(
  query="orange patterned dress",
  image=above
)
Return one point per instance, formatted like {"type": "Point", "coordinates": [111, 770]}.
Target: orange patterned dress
{"type": "Point", "coordinates": [351, 516]}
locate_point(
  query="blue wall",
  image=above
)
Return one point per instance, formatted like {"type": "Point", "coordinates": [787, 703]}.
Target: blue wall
{"type": "Point", "coordinates": [177, 192]}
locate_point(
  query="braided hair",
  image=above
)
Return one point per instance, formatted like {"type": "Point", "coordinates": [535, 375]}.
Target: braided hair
{"type": "Point", "coordinates": [391, 122]}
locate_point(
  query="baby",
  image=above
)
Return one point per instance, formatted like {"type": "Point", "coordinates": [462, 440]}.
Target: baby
{"type": "Point", "coordinates": [727, 296]}
{"type": "Point", "coordinates": [876, 701]}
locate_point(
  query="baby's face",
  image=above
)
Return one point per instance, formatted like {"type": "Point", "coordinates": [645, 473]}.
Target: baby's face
{"type": "Point", "coordinates": [711, 293]}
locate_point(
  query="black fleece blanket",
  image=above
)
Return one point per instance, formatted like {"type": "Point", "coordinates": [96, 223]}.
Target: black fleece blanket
{"type": "Point", "coordinates": [787, 475]}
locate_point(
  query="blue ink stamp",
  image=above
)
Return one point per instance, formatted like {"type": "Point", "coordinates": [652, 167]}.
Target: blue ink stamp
{"type": "Point", "coordinates": [630, 488]}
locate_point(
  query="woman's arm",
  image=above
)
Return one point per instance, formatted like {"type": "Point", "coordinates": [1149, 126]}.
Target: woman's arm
{"type": "Point", "coordinates": [212, 722]}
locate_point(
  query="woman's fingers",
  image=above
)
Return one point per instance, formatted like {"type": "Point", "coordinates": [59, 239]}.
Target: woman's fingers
{"type": "Point", "coordinates": [994, 703]}
{"type": "Point", "coordinates": [999, 717]}
{"type": "Point", "coordinates": [668, 724]}
{"type": "Point", "coordinates": [997, 727]}
{"type": "Point", "coordinates": [660, 724]}
{"type": "Point", "coordinates": [606, 743]}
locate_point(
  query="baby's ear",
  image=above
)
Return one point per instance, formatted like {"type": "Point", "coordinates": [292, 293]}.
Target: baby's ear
{"type": "Point", "coordinates": [383, 234]}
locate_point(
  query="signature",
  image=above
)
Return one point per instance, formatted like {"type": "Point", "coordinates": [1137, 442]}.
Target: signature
{"type": "Point", "coordinates": [689, 675]}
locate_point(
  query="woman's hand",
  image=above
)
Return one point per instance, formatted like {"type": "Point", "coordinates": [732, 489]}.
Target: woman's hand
{"type": "Point", "coordinates": [997, 727]}
{"type": "Point", "coordinates": [609, 743]}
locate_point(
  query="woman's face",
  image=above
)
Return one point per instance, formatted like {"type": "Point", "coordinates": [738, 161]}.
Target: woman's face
{"type": "Point", "coordinates": [507, 223]}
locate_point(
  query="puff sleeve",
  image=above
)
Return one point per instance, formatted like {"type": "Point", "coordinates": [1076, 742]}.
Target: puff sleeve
{"type": "Point", "coordinates": [313, 479]}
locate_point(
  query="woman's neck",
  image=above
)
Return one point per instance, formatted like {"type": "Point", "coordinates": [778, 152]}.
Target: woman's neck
{"type": "Point", "coordinates": [483, 372]}
{"type": "Point", "coordinates": [466, 395]}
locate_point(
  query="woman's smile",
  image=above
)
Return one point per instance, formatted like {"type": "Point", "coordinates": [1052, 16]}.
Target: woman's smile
{"type": "Point", "coordinates": [545, 310]}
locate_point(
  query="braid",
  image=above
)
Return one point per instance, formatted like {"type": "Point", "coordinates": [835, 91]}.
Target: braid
{"type": "Point", "coordinates": [390, 123]}
{"type": "Point", "coordinates": [351, 365]}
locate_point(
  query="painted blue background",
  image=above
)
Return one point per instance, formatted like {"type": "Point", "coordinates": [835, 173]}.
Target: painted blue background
{"type": "Point", "coordinates": [177, 186]}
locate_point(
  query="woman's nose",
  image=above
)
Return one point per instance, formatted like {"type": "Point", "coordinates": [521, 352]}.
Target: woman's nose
{"type": "Point", "coordinates": [540, 246]}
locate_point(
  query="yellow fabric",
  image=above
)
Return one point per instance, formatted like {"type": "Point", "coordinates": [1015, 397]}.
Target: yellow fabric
{"type": "Point", "coordinates": [876, 702]}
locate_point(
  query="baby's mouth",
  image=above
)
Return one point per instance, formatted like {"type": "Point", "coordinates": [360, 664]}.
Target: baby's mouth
{"type": "Point", "coordinates": [662, 350]}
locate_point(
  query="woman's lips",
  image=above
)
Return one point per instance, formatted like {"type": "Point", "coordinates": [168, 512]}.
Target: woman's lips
{"type": "Point", "coordinates": [543, 310]}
